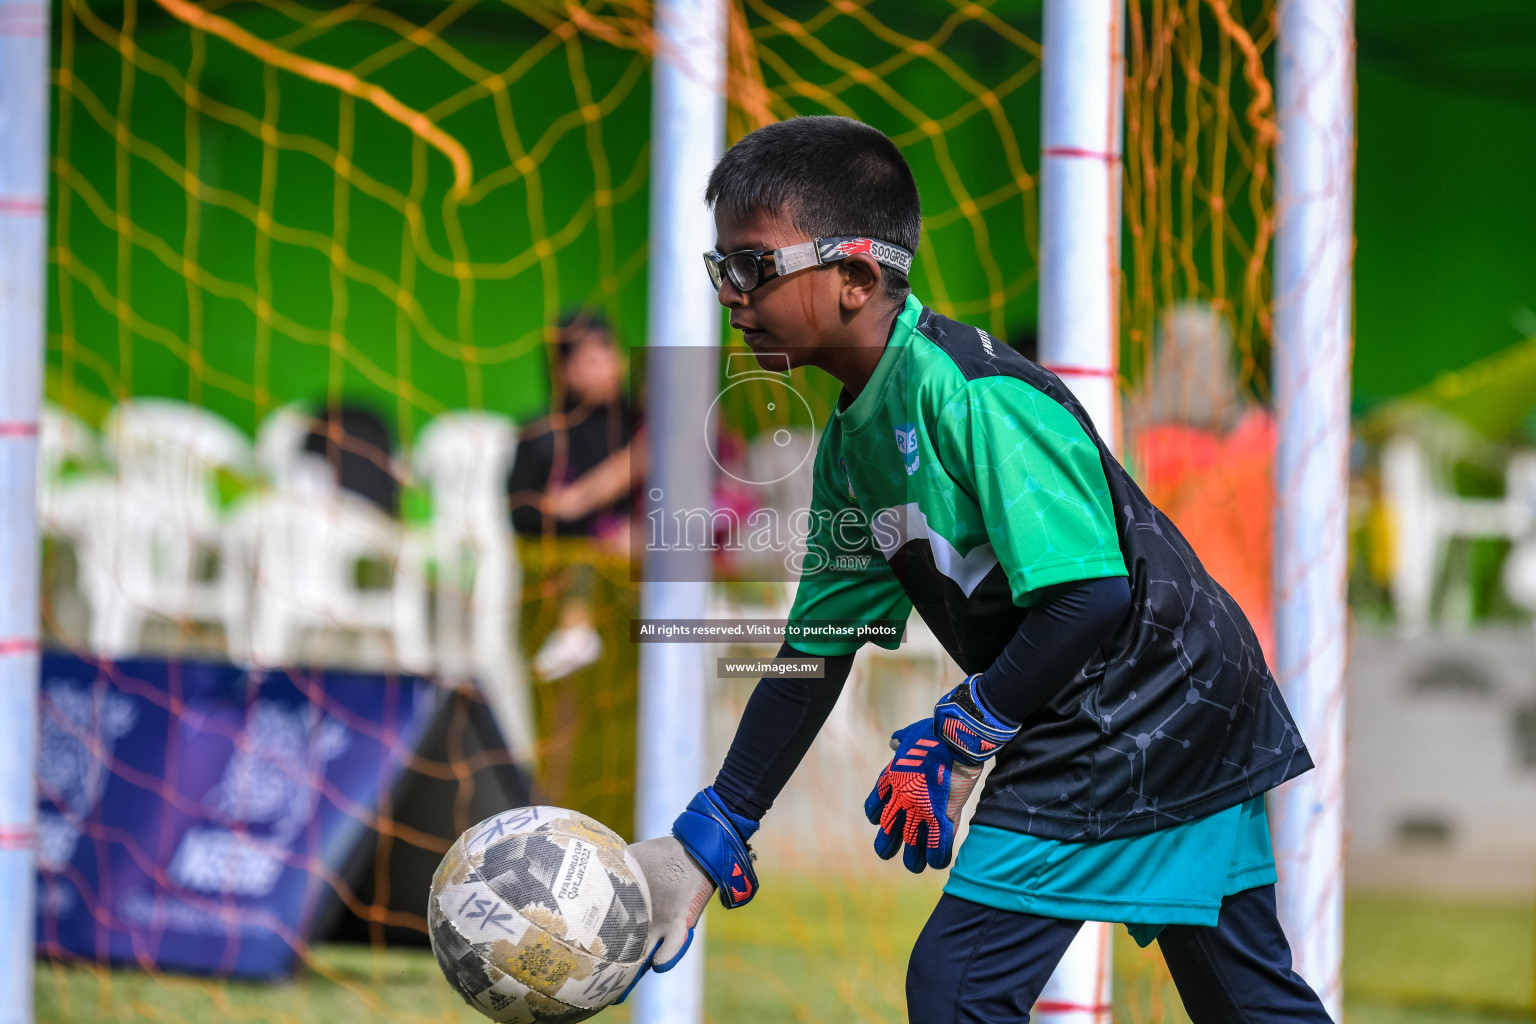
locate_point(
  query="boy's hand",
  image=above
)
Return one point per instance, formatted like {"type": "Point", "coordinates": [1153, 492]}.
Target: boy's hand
{"type": "Point", "coordinates": [716, 837]}
{"type": "Point", "coordinates": [706, 850]}
{"type": "Point", "coordinates": [963, 720]}
{"type": "Point", "coordinates": [918, 798]}
{"type": "Point", "coordinates": [679, 891]}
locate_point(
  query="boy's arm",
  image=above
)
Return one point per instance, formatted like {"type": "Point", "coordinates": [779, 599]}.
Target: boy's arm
{"type": "Point", "coordinates": [918, 798]}
{"type": "Point", "coordinates": [1038, 480]}
{"type": "Point", "coordinates": [781, 719]}
{"type": "Point", "coordinates": [1065, 625]}
{"type": "Point", "coordinates": [707, 849]}
{"type": "Point", "coordinates": [1040, 483]}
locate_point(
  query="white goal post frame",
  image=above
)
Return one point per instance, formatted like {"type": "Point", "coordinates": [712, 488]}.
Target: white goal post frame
{"type": "Point", "coordinates": [24, 85]}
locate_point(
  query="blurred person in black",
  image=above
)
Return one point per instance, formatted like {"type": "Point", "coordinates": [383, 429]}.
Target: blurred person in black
{"type": "Point", "coordinates": [575, 473]}
{"type": "Point", "coordinates": [358, 445]}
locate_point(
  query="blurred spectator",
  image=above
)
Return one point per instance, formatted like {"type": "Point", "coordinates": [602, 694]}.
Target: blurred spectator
{"type": "Point", "coordinates": [1193, 380]}
{"type": "Point", "coordinates": [357, 444]}
{"type": "Point", "coordinates": [574, 468]}
{"type": "Point", "coordinates": [574, 476]}
{"type": "Point", "coordinates": [1207, 457]}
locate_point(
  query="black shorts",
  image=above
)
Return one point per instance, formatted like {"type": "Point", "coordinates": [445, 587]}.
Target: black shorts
{"type": "Point", "coordinates": [977, 965]}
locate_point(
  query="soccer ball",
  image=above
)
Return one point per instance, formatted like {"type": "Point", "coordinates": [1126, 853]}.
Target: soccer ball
{"type": "Point", "coordinates": [539, 914]}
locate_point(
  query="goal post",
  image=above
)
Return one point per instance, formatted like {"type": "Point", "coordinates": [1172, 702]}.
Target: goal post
{"type": "Point", "coordinates": [1080, 180]}
{"type": "Point", "coordinates": [1314, 246]}
{"type": "Point", "coordinates": [688, 136]}
{"type": "Point", "coordinates": [23, 228]}
{"type": "Point", "coordinates": [251, 227]}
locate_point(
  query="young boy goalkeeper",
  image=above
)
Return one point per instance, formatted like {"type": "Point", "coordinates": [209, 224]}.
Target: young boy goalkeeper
{"type": "Point", "coordinates": [1121, 691]}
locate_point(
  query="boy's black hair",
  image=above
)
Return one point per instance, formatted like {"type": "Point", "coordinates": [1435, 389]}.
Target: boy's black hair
{"type": "Point", "coordinates": [829, 176]}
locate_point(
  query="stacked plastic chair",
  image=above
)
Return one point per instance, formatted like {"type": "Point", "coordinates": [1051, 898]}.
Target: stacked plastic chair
{"type": "Point", "coordinates": [149, 538]}
{"type": "Point", "coordinates": [143, 511]}
{"type": "Point", "coordinates": [464, 458]}
{"type": "Point", "coordinates": [298, 546]}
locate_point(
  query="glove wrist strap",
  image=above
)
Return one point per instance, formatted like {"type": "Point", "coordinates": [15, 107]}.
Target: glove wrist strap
{"type": "Point", "coordinates": [716, 838]}
{"type": "Point", "coordinates": [963, 721]}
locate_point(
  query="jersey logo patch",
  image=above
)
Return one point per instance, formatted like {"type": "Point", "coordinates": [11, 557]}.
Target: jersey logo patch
{"type": "Point", "coordinates": [906, 443]}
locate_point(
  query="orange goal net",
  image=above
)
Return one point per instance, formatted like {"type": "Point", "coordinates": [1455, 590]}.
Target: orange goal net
{"type": "Point", "coordinates": [288, 231]}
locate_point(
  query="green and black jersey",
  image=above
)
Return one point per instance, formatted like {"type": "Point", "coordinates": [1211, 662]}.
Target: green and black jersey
{"type": "Point", "coordinates": [962, 480]}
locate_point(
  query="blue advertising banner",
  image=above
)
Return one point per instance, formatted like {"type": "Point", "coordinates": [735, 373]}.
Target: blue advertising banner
{"type": "Point", "coordinates": [195, 816]}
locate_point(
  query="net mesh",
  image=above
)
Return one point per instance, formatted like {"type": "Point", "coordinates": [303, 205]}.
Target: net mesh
{"type": "Point", "coordinates": [262, 206]}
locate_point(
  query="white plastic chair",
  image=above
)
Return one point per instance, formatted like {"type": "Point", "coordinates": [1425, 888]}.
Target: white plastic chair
{"type": "Point", "coordinates": [149, 538]}
{"type": "Point", "coordinates": [280, 455]}
{"type": "Point", "coordinates": [298, 548]}
{"type": "Point", "coordinates": [62, 438]}
{"type": "Point", "coordinates": [1520, 565]}
{"type": "Point", "coordinates": [175, 451]}
{"type": "Point", "coordinates": [464, 458]}
{"type": "Point", "coordinates": [1428, 515]}
{"type": "Point", "coordinates": [299, 552]}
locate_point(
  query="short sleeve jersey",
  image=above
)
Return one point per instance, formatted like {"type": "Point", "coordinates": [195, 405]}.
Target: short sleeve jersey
{"type": "Point", "coordinates": [963, 479]}
{"type": "Point", "coordinates": [987, 484]}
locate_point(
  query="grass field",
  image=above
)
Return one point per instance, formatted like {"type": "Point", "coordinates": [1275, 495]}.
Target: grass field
{"type": "Point", "coordinates": [834, 953]}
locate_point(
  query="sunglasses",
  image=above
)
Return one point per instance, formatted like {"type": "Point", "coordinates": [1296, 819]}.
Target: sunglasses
{"type": "Point", "coordinates": [749, 269]}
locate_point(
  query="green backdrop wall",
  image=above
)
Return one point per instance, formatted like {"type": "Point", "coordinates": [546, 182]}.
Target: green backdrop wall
{"type": "Point", "coordinates": [1445, 269]}
{"type": "Point", "coordinates": [1446, 215]}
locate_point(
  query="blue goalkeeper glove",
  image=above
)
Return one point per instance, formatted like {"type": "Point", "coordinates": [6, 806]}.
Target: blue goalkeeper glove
{"type": "Point", "coordinates": [918, 798]}
{"type": "Point", "coordinates": [707, 850]}
{"type": "Point", "coordinates": [716, 837]}
{"type": "Point", "coordinates": [964, 722]}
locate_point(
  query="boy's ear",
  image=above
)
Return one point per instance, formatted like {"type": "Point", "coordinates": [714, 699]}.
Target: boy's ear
{"type": "Point", "coordinates": [860, 279]}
